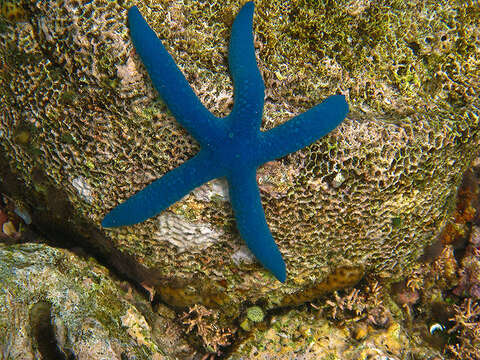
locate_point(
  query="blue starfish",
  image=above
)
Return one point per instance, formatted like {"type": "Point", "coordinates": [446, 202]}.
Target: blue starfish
{"type": "Point", "coordinates": [231, 147]}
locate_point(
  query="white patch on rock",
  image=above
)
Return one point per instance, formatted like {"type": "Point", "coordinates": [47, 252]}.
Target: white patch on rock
{"type": "Point", "coordinates": [215, 189]}
{"type": "Point", "coordinates": [338, 180]}
{"type": "Point", "coordinates": [128, 73]}
{"type": "Point", "coordinates": [83, 188]}
{"type": "Point", "coordinates": [243, 255]}
{"type": "Point", "coordinates": [186, 235]}
{"type": "Point", "coordinates": [23, 213]}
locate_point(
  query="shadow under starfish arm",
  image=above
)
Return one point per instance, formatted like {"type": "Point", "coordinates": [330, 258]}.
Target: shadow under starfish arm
{"type": "Point", "coordinates": [251, 222]}
{"type": "Point", "coordinates": [163, 192]}
{"type": "Point", "coordinates": [170, 83]}
{"type": "Point", "coordinates": [303, 129]}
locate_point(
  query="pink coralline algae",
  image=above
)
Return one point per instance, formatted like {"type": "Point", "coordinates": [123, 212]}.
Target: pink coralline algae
{"type": "Point", "coordinates": [469, 284]}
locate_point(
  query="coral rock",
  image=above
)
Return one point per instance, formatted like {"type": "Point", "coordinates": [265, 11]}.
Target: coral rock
{"type": "Point", "coordinates": [55, 305]}
{"type": "Point", "coordinates": [72, 79]}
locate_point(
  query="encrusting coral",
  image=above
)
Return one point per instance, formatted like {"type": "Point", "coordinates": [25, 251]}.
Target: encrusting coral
{"type": "Point", "coordinates": [370, 196]}
{"type": "Point", "coordinates": [440, 297]}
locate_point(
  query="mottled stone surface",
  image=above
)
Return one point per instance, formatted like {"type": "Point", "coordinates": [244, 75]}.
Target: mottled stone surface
{"type": "Point", "coordinates": [301, 335]}
{"type": "Point", "coordinates": [83, 129]}
{"type": "Point", "coordinates": [54, 304]}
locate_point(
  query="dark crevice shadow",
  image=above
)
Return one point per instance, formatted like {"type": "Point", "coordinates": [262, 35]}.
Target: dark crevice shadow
{"type": "Point", "coordinates": [55, 219]}
{"type": "Point", "coordinates": [43, 333]}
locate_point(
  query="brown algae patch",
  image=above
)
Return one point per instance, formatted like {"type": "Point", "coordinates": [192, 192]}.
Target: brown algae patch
{"type": "Point", "coordinates": [341, 278]}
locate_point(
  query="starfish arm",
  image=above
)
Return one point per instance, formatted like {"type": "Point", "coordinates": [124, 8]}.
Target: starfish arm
{"type": "Point", "coordinates": [163, 192]}
{"type": "Point", "coordinates": [248, 83]}
{"type": "Point", "coordinates": [303, 129]}
{"type": "Point", "coordinates": [170, 82]}
{"type": "Point", "coordinates": [251, 223]}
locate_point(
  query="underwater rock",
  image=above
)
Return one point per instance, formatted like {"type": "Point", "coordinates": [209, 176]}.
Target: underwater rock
{"type": "Point", "coordinates": [54, 305]}
{"type": "Point", "coordinates": [75, 82]}
{"type": "Point", "coordinates": [300, 335]}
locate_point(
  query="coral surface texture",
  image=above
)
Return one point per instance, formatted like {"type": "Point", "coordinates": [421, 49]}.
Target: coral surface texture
{"type": "Point", "coordinates": [83, 129]}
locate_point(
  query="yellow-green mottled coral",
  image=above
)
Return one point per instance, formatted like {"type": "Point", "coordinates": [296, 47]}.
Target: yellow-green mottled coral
{"type": "Point", "coordinates": [301, 334]}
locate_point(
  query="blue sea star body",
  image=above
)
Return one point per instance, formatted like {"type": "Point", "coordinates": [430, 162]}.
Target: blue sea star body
{"type": "Point", "coordinates": [231, 147]}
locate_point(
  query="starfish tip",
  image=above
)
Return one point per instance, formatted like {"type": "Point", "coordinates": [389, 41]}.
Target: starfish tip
{"type": "Point", "coordinates": [107, 222]}
{"type": "Point", "coordinates": [281, 275]}
{"type": "Point", "coordinates": [111, 220]}
{"type": "Point", "coordinates": [277, 267]}
{"type": "Point", "coordinates": [338, 104]}
{"type": "Point", "coordinates": [132, 10]}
